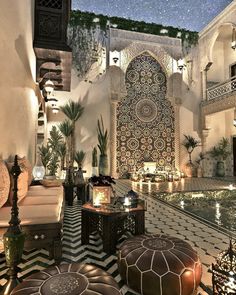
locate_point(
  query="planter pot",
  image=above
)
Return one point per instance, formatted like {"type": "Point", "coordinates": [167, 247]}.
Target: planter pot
{"type": "Point", "coordinates": [69, 194]}
{"type": "Point", "coordinates": [190, 170]}
{"type": "Point", "coordinates": [50, 176]}
{"type": "Point", "coordinates": [220, 169]}
{"type": "Point", "coordinates": [103, 165]}
{"type": "Point", "coordinates": [199, 171]}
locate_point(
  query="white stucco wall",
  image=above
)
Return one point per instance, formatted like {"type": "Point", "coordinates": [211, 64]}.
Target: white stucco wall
{"type": "Point", "coordinates": [217, 72]}
{"type": "Point", "coordinates": [95, 100]}
{"type": "Point", "coordinates": [96, 97]}
{"type": "Point", "coordinates": [18, 103]}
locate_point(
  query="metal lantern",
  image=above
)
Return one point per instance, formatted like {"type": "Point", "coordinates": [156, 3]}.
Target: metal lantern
{"type": "Point", "coordinates": [101, 195]}
{"type": "Point", "coordinates": [224, 273]}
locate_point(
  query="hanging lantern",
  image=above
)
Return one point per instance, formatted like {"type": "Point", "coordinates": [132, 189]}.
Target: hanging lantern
{"type": "Point", "coordinates": [224, 272]}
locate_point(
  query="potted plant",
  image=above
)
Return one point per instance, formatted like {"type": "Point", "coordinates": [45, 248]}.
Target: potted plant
{"type": "Point", "coordinates": [220, 152]}
{"type": "Point", "coordinates": [79, 179]}
{"type": "Point", "coordinates": [73, 110]}
{"type": "Point", "coordinates": [79, 158]}
{"type": "Point", "coordinates": [66, 130]}
{"type": "Point", "coordinates": [50, 153]}
{"type": "Point", "coordinates": [190, 143]}
{"type": "Point", "coordinates": [199, 161]}
{"type": "Point", "coordinates": [94, 162]}
{"type": "Point", "coordinates": [102, 145]}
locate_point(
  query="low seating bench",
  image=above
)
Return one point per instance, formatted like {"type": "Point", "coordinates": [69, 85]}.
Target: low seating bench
{"type": "Point", "coordinates": [41, 215]}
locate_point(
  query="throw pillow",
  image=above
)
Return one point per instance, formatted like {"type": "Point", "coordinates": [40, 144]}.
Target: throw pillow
{"type": "Point", "coordinates": [4, 183]}
{"type": "Point", "coordinates": [25, 164]}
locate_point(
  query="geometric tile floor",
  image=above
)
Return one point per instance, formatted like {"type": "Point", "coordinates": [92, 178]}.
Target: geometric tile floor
{"type": "Point", "coordinates": [159, 218]}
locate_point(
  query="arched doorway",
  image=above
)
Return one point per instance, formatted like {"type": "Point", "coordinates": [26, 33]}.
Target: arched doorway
{"type": "Point", "coordinates": [145, 117]}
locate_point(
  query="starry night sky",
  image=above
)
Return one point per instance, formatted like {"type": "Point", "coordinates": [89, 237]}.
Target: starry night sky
{"type": "Point", "coordinates": [190, 14]}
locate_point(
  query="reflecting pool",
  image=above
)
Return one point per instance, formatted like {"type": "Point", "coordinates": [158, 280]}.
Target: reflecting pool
{"type": "Point", "coordinates": [216, 207]}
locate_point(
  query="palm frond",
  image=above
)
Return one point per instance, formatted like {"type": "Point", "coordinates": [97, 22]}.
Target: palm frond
{"type": "Point", "coordinates": [190, 142]}
{"type": "Point", "coordinates": [94, 157]}
{"type": "Point", "coordinates": [62, 150]}
{"type": "Point", "coordinates": [55, 138]}
{"type": "Point", "coordinates": [73, 110]}
{"type": "Point", "coordinates": [65, 128]}
{"type": "Point", "coordinates": [79, 157]}
{"type": "Point", "coordinates": [102, 137]}
{"type": "Point", "coordinates": [45, 154]}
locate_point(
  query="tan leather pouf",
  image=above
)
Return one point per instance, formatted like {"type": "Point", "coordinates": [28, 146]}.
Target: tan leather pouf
{"type": "Point", "coordinates": [69, 279]}
{"type": "Point", "coordinates": [159, 265]}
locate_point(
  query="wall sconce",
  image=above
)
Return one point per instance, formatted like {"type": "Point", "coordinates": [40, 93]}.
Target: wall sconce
{"type": "Point", "coordinates": [180, 64]}
{"type": "Point", "coordinates": [52, 100]}
{"type": "Point", "coordinates": [55, 109]}
{"type": "Point", "coordinates": [233, 43]}
{"type": "Point", "coordinates": [48, 87]}
{"type": "Point", "coordinates": [224, 272]}
{"type": "Point", "coordinates": [115, 58]}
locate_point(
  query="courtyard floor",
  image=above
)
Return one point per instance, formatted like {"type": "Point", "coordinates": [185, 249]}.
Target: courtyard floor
{"type": "Point", "coordinates": [159, 218]}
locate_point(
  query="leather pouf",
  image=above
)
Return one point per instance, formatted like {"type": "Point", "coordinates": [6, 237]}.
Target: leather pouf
{"type": "Point", "coordinates": [159, 265]}
{"type": "Point", "coordinates": [69, 279]}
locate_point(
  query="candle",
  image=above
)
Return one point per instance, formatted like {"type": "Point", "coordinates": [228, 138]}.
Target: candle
{"type": "Point", "coordinates": [97, 203]}
{"type": "Point", "coordinates": [127, 202]}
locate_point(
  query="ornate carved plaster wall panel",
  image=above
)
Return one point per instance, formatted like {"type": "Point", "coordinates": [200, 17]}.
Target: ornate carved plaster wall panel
{"type": "Point", "coordinates": [145, 117]}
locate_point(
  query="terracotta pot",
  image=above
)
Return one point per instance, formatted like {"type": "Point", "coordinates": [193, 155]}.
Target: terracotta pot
{"type": "Point", "coordinates": [199, 171]}
{"type": "Point", "coordinates": [190, 170]}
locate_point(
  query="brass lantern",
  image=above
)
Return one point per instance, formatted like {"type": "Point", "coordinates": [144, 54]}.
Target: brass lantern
{"type": "Point", "coordinates": [224, 272]}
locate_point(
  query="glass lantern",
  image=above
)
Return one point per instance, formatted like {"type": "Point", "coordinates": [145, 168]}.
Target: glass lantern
{"type": "Point", "coordinates": [38, 170]}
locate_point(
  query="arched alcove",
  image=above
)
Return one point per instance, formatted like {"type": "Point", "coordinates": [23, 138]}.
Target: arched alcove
{"type": "Point", "coordinates": [145, 117]}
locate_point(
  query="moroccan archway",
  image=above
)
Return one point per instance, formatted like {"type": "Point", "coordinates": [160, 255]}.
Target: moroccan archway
{"type": "Point", "coordinates": [145, 117]}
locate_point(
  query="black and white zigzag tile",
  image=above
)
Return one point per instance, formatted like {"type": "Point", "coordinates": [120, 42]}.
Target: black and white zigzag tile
{"type": "Point", "coordinates": [157, 220]}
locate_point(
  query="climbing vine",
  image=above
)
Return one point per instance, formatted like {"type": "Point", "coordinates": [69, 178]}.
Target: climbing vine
{"type": "Point", "coordinates": [90, 20]}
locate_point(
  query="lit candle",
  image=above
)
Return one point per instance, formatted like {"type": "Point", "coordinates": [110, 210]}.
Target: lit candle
{"type": "Point", "coordinates": [97, 203]}
{"type": "Point", "coordinates": [231, 187]}
{"type": "Point", "coordinates": [170, 177]}
{"type": "Point", "coordinates": [127, 202]}
{"type": "Point", "coordinates": [182, 174]}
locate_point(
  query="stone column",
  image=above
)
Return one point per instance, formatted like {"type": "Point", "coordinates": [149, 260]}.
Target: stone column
{"type": "Point", "coordinates": [177, 132]}
{"type": "Point", "coordinates": [113, 128]}
{"type": "Point", "coordinates": [204, 85]}
{"type": "Point", "coordinates": [205, 133]}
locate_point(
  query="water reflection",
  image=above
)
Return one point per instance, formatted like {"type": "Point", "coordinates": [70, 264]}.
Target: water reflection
{"type": "Point", "coordinates": [218, 207]}
{"type": "Point", "coordinates": [218, 214]}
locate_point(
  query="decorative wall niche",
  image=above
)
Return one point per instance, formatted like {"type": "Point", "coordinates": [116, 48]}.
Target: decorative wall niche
{"type": "Point", "coordinates": [145, 118]}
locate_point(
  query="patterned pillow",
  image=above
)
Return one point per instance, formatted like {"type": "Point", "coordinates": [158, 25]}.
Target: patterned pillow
{"type": "Point", "coordinates": [25, 164]}
{"type": "Point", "coordinates": [4, 183]}
{"type": "Point", "coordinates": [22, 183]}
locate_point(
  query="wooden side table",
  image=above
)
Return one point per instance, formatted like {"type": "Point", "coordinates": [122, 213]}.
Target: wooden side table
{"type": "Point", "coordinates": [110, 224]}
